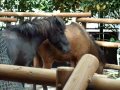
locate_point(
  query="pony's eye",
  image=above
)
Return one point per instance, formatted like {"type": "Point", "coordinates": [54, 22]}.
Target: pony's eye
{"type": "Point", "coordinates": [61, 32]}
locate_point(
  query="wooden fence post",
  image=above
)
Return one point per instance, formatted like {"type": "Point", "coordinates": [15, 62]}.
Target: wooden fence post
{"type": "Point", "coordinates": [63, 73]}
{"type": "Point", "coordinates": [84, 70]}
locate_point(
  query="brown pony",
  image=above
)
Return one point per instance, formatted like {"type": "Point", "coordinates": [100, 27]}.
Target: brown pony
{"type": "Point", "coordinates": [81, 43]}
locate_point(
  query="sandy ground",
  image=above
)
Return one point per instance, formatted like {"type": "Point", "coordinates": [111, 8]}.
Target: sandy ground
{"type": "Point", "coordinates": [38, 87]}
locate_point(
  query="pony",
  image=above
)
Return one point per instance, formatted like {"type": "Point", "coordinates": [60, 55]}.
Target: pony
{"type": "Point", "coordinates": [81, 43]}
{"type": "Point", "coordinates": [23, 40]}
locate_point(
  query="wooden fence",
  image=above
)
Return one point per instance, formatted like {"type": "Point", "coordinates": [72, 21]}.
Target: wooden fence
{"type": "Point", "coordinates": [80, 78]}
{"type": "Point", "coordinates": [75, 79]}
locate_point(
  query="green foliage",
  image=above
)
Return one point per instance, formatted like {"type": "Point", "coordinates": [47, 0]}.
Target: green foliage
{"type": "Point", "coordinates": [67, 5]}
{"type": "Point", "coordinates": [108, 7]}
{"type": "Point", "coordinates": [25, 5]}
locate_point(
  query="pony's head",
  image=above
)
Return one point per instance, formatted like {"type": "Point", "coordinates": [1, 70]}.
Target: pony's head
{"type": "Point", "coordinates": [56, 34]}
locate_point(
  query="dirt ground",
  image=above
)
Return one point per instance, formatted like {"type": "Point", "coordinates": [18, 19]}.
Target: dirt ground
{"type": "Point", "coordinates": [39, 87]}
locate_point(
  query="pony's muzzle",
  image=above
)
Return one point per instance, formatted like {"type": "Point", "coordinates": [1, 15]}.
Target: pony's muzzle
{"type": "Point", "coordinates": [66, 49]}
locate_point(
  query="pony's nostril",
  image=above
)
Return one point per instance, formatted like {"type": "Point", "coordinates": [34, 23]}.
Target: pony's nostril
{"type": "Point", "coordinates": [66, 49]}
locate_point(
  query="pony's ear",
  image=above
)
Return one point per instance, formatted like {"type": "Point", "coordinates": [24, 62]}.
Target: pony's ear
{"type": "Point", "coordinates": [60, 22]}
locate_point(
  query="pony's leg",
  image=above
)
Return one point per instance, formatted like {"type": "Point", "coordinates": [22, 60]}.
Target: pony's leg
{"type": "Point", "coordinates": [72, 63]}
{"type": "Point", "coordinates": [100, 68]}
{"type": "Point", "coordinates": [48, 63]}
{"type": "Point", "coordinates": [44, 87]}
{"type": "Point", "coordinates": [37, 62]}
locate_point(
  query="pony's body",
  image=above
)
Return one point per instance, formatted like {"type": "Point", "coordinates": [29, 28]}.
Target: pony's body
{"type": "Point", "coordinates": [20, 49]}
{"type": "Point", "coordinates": [81, 43]}
{"type": "Point", "coordinates": [24, 39]}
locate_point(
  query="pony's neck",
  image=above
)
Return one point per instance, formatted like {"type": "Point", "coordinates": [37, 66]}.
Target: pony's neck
{"type": "Point", "coordinates": [43, 26]}
{"type": "Point", "coordinates": [37, 41]}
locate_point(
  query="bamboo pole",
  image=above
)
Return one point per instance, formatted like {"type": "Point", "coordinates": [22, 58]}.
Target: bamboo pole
{"type": "Point", "coordinates": [99, 20]}
{"type": "Point", "coordinates": [84, 70]}
{"type": "Point", "coordinates": [40, 14]}
{"type": "Point", "coordinates": [101, 83]}
{"type": "Point", "coordinates": [63, 73]}
{"type": "Point", "coordinates": [108, 44]}
{"type": "Point", "coordinates": [112, 66]}
{"type": "Point", "coordinates": [27, 74]}
{"type": "Point", "coordinates": [5, 19]}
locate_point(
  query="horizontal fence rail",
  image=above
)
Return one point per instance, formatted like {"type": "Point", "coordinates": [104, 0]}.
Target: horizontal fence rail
{"type": "Point", "coordinates": [6, 19]}
{"type": "Point", "coordinates": [99, 82]}
{"type": "Point", "coordinates": [112, 66]}
{"type": "Point", "coordinates": [40, 14]}
{"type": "Point", "coordinates": [27, 74]}
{"type": "Point", "coordinates": [99, 20]}
{"type": "Point", "coordinates": [108, 44]}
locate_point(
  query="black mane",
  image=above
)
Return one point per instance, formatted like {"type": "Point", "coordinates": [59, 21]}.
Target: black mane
{"type": "Point", "coordinates": [36, 26]}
